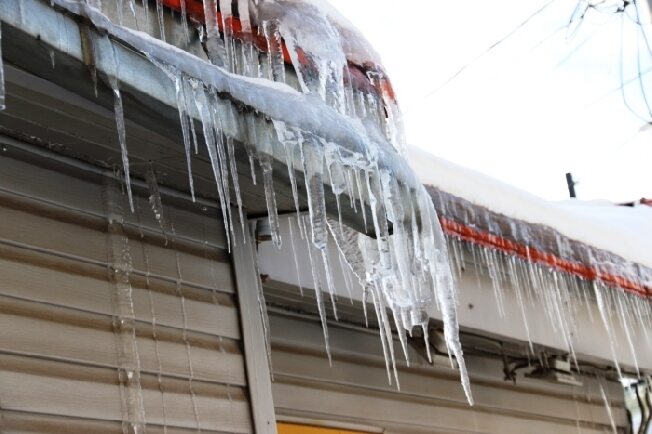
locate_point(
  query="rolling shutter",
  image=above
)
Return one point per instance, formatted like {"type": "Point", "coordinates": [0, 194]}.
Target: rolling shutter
{"type": "Point", "coordinates": [354, 391]}
{"type": "Point", "coordinates": [108, 319]}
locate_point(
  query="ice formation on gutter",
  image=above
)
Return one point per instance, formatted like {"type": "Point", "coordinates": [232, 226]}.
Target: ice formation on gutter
{"type": "Point", "coordinates": [555, 256]}
{"type": "Point", "coordinates": [333, 131]}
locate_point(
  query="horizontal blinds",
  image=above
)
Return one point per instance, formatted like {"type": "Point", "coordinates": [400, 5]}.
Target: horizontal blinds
{"type": "Point", "coordinates": [60, 354]}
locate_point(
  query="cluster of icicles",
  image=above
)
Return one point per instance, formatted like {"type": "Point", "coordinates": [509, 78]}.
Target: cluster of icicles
{"type": "Point", "coordinates": [406, 266]}
{"type": "Point", "coordinates": [561, 296]}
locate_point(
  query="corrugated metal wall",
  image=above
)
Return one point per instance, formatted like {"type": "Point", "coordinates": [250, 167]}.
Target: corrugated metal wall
{"type": "Point", "coordinates": [66, 334]}
{"type": "Point", "coordinates": [355, 390]}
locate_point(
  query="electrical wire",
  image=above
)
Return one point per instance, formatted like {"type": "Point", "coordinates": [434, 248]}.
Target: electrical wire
{"type": "Point", "coordinates": [622, 73]}
{"type": "Point", "coordinates": [484, 53]}
{"type": "Point", "coordinates": [579, 46]}
{"type": "Point", "coordinates": [638, 59]}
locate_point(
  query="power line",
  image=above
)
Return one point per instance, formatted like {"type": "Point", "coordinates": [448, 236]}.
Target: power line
{"type": "Point", "coordinates": [488, 50]}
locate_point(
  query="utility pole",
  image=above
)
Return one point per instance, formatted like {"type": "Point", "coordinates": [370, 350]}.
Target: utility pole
{"type": "Point", "coordinates": [571, 185]}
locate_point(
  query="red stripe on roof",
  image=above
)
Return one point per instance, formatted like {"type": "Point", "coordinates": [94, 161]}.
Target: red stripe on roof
{"type": "Point", "coordinates": [357, 74]}
{"type": "Point", "coordinates": [523, 251]}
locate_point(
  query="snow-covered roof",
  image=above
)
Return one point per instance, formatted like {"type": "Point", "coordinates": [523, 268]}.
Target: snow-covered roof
{"type": "Point", "coordinates": [593, 233]}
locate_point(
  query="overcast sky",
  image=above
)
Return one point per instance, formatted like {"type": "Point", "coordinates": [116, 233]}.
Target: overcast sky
{"type": "Point", "coordinates": [544, 102]}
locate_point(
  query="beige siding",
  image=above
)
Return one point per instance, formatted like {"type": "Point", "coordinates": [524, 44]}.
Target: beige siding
{"type": "Point", "coordinates": [59, 357]}
{"type": "Point", "coordinates": [355, 390]}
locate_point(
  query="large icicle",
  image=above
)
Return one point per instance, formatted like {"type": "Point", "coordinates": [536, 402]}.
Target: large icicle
{"type": "Point", "coordinates": [122, 138]}
{"type": "Point", "coordinates": [407, 264]}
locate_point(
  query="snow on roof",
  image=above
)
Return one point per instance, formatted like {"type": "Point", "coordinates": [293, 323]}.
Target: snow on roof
{"type": "Point", "coordinates": [622, 230]}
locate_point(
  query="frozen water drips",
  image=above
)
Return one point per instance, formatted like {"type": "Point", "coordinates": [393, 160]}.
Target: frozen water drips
{"type": "Point", "coordinates": [234, 177]}
{"type": "Point", "coordinates": [120, 125]}
{"type": "Point", "coordinates": [213, 46]}
{"type": "Point", "coordinates": [2, 76]}
{"type": "Point", "coordinates": [154, 317]}
{"type": "Point", "coordinates": [563, 297]}
{"type": "Point", "coordinates": [312, 158]}
{"type": "Point", "coordinates": [320, 298]}
{"type": "Point", "coordinates": [406, 267]}
{"type": "Point", "coordinates": [605, 315]}
{"type": "Point", "coordinates": [227, 30]}
{"type": "Point", "coordinates": [124, 320]}
{"type": "Point", "coordinates": [275, 60]}
{"type": "Point", "coordinates": [155, 200]}
{"type": "Point", "coordinates": [607, 406]}
{"type": "Point", "coordinates": [161, 19]}
{"type": "Point", "coordinates": [291, 223]}
{"type": "Point", "coordinates": [184, 20]}
{"type": "Point", "coordinates": [186, 121]}
{"type": "Point", "coordinates": [445, 290]}
{"type": "Point", "coordinates": [215, 150]}
{"type": "Point", "coordinates": [184, 328]}
{"type": "Point", "coordinates": [270, 197]}
{"type": "Point", "coordinates": [249, 58]}
{"type": "Point", "coordinates": [291, 142]}
{"type": "Point", "coordinates": [314, 47]}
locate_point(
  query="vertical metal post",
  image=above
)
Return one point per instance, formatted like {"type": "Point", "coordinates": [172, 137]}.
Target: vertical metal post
{"type": "Point", "coordinates": [253, 328]}
{"type": "Point", "coordinates": [571, 185]}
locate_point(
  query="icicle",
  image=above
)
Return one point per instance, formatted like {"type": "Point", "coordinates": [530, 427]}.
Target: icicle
{"type": "Point", "coordinates": [426, 341]}
{"type": "Point", "coordinates": [132, 8]}
{"type": "Point", "coordinates": [401, 332]}
{"type": "Point", "coordinates": [221, 155]}
{"type": "Point", "coordinates": [120, 124]}
{"type": "Point", "coordinates": [124, 321]}
{"type": "Point", "coordinates": [320, 301]}
{"type": "Point", "coordinates": [276, 63]}
{"type": "Point", "coordinates": [607, 407]}
{"type": "Point", "coordinates": [146, 6]}
{"type": "Point", "coordinates": [270, 197]}
{"type": "Point", "coordinates": [154, 322]}
{"type": "Point", "coordinates": [250, 54]}
{"type": "Point", "coordinates": [201, 102]}
{"type": "Point", "coordinates": [627, 326]}
{"type": "Point", "coordinates": [184, 21]}
{"type": "Point", "coordinates": [346, 275]}
{"type": "Point", "coordinates": [446, 295]}
{"type": "Point", "coordinates": [215, 54]}
{"type": "Point", "coordinates": [2, 76]}
{"type": "Point", "coordinates": [516, 285]}
{"type": "Point", "coordinates": [161, 19]}
{"type": "Point", "coordinates": [119, 4]}
{"type": "Point", "coordinates": [186, 121]}
{"type": "Point", "coordinates": [290, 141]}
{"type": "Point", "coordinates": [252, 164]}
{"type": "Point", "coordinates": [184, 329]}
{"type": "Point", "coordinates": [155, 200]}
{"type": "Point", "coordinates": [234, 177]}
{"type": "Point", "coordinates": [294, 255]}
{"type": "Point", "coordinates": [385, 327]}
{"type": "Point", "coordinates": [606, 321]}
{"type": "Point", "coordinates": [329, 281]}
{"type": "Point", "coordinates": [313, 160]}
{"type": "Point", "coordinates": [227, 26]}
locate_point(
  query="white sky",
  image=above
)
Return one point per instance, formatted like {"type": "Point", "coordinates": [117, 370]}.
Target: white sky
{"type": "Point", "coordinates": [530, 110]}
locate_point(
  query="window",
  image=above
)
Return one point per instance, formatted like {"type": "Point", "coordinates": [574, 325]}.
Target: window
{"type": "Point", "coordinates": [292, 428]}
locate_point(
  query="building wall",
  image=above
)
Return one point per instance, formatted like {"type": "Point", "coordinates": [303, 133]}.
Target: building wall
{"type": "Point", "coordinates": [75, 355]}
{"type": "Point", "coordinates": [356, 394]}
